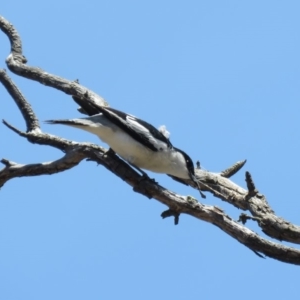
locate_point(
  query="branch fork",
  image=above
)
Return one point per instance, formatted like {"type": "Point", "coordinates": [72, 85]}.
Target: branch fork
{"type": "Point", "coordinates": [218, 184]}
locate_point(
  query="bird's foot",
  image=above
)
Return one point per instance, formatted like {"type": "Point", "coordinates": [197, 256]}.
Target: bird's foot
{"type": "Point", "coordinates": [145, 176]}
{"type": "Point", "coordinates": [202, 195]}
{"type": "Point", "coordinates": [196, 181]}
{"type": "Point", "coordinates": [110, 152]}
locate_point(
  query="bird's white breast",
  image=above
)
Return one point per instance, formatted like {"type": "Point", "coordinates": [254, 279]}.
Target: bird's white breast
{"type": "Point", "coordinates": [165, 161]}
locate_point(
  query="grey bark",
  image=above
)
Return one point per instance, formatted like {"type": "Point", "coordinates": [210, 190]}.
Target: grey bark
{"type": "Point", "coordinates": [249, 200]}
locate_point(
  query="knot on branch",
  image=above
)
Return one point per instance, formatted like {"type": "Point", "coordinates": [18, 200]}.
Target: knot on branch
{"type": "Point", "coordinates": [252, 191]}
{"type": "Point", "coordinates": [244, 218]}
{"type": "Point", "coordinates": [171, 213]}
{"type": "Point", "coordinates": [8, 163]}
{"type": "Point", "coordinates": [17, 57]}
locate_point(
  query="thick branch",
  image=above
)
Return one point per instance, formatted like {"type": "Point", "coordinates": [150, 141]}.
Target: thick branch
{"type": "Point", "coordinates": [217, 184]}
{"type": "Point", "coordinates": [241, 233]}
{"type": "Point", "coordinates": [272, 225]}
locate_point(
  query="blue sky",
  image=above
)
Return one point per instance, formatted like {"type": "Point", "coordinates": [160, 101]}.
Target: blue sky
{"type": "Point", "coordinates": [223, 76]}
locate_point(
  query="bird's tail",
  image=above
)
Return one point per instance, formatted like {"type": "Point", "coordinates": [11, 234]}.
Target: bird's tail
{"type": "Point", "coordinates": [70, 122]}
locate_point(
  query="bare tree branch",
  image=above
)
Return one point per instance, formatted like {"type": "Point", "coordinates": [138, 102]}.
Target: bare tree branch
{"type": "Point", "coordinates": [25, 108]}
{"type": "Point", "coordinates": [216, 183]}
{"type": "Point", "coordinates": [12, 169]}
{"type": "Point", "coordinates": [16, 62]}
{"type": "Point", "coordinates": [233, 169]}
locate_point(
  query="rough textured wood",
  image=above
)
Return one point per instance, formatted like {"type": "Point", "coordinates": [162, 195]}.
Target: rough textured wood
{"type": "Point", "coordinates": [218, 184]}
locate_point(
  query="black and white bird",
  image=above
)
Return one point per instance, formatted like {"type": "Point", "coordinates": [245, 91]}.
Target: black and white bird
{"type": "Point", "coordinates": [136, 141]}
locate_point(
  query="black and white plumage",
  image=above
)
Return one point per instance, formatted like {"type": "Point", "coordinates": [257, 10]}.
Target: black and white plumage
{"type": "Point", "coordinates": [135, 140]}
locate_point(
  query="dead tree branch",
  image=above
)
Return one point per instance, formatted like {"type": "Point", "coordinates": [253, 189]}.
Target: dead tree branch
{"type": "Point", "coordinates": [218, 184]}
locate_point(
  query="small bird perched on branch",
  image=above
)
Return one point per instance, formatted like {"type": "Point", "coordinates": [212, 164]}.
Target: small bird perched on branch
{"type": "Point", "coordinates": [136, 141]}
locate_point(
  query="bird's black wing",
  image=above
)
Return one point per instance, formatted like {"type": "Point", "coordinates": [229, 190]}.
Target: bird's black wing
{"type": "Point", "coordinates": [140, 130]}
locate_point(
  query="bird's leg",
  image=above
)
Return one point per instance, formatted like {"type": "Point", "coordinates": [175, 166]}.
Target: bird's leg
{"type": "Point", "coordinates": [139, 187]}
{"type": "Point", "coordinates": [197, 183]}
{"type": "Point", "coordinates": [201, 194]}
{"type": "Point", "coordinates": [111, 152]}
{"type": "Point", "coordinates": [144, 174]}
